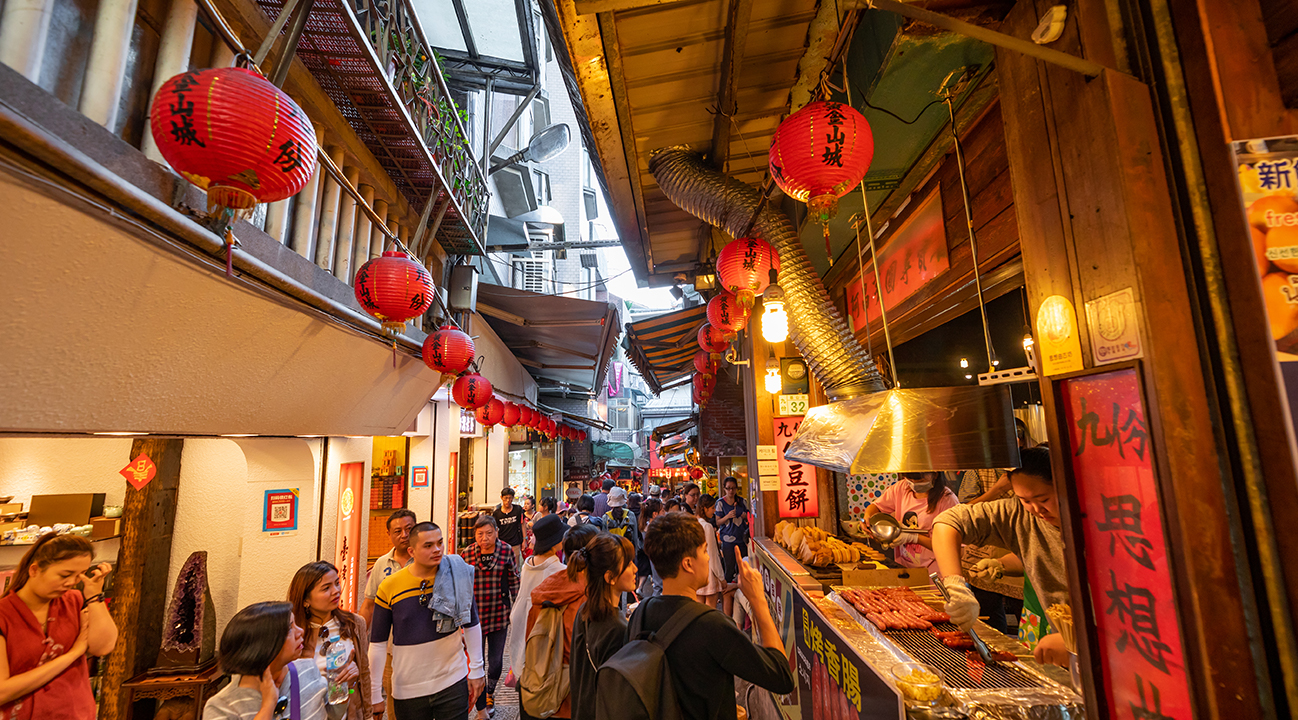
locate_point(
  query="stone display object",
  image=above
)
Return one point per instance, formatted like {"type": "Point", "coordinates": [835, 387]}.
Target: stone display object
{"type": "Point", "coordinates": [189, 628]}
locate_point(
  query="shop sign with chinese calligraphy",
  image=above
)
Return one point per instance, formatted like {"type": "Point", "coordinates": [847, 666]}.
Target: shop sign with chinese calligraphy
{"type": "Point", "coordinates": [833, 682]}
{"type": "Point", "coordinates": [798, 496]}
{"type": "Point", "coordinates": [1127, 569]}
{"type": "Point", "coordinates": [351, 482]}
{"type": "Point", "coordinates": [915, 254]}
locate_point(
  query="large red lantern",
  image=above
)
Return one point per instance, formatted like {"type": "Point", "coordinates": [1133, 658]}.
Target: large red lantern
{"type": "Point", "coordinates": [525, 416]}
{"type": "Point", "coordinates": [471, 391]}
{"type": "Point", "coordinates": [704, 364]}
{"type": "Point", "coordinates": [534, 422]}
{"type": "Point", "coordinates": [551, 427]}
{"type": "Point", "coordinates": [510, 416]}
{"type": "Point", "coordinates": [726, 314]}
{"type": "Point", "coordinates": [234, 134]}
{"type": "Point", "coordinates": [394, 288]}
{"type": "Point", "coordinates": [820, 153]}
{"type": "Point", "coordinates": [449, 350]}
{"type": "Point", "coordinates": [744, 268]}
{"type": "Point", "coordinates": [491, 413]}
{"type": "Point", "coordinates": [713, 341]}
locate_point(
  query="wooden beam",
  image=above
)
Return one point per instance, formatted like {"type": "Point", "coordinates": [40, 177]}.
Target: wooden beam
{"type": "Point", "coordinates": [140, 586]}
{"type": "Point", "coordinates": [732, 57]}
{"type": "Point", "coordinates": [592, 7]}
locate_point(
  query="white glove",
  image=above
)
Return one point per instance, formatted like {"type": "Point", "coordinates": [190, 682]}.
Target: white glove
{"type": "Point", "coordinates": [963, 606]}
{"type": "Point", "coordinates": [906, 538]}
{"type": "Point", "coordinates": [988, 569]}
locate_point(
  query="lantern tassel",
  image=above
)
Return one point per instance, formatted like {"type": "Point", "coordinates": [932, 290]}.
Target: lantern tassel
{"type": "Point", "coordinates": [829, 251]}
{"type": "Point", "coordinates": [394, 354]}
{"type": "Point", "coordinates": [229, 252]}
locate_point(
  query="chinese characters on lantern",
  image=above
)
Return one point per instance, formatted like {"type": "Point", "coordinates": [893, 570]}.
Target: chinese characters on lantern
{"type": "Point", "coordinates": [798, 494]}
{"type": "Point", "coordinates": [1129, 579]}
{"type": "Point", "coordinates": [915, 254]}
{"type": "Point", "coordinates": [182, 111]}
{"type": "Point", "coordinates": [834, 138]}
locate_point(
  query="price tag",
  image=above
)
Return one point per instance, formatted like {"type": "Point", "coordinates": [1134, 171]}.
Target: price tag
{"type": "Point", "coordinates": [766, 452]}
{"type": "Point", "coordinates": [792, 405]}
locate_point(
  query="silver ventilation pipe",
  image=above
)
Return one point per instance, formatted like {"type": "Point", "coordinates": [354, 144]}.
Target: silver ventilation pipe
{"type": "Point", "coordinates": [832, 353]}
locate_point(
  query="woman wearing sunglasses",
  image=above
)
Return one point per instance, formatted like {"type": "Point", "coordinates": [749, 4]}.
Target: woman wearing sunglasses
{"type": "Point", "coordinates": [260, 650]}
{"type": "Point", "coordinates": [315, 594]}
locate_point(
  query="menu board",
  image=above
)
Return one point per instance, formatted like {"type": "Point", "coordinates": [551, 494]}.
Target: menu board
{"type": "Point", "coordinates": [1128, 576]}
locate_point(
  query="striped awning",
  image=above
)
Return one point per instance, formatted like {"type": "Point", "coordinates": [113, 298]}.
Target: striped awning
{"type": "Point", "coordinates": [662, 347]}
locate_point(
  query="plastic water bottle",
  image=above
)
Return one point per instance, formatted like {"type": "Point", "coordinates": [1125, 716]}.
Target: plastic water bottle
{"type": "Point", "coordinates": [339, 692]}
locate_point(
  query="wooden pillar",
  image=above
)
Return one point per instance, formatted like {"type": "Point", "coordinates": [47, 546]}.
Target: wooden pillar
{"type": "Point", "coordinates": [378, 240]}
{"type": "Point", "coordinates": [364, 233]}
{"type": "Point", "coordinates": [304, 206]}
{"type": "Point", "coordinates": [343, 269]}
{"type": "Point", "coordinates": [24, 27]}
{"type": "Point", "coordinates": [1096, 216]}
{"type": "Point", "coordinates": [107, 67]}
{"type": "Point", "coordinates": [140, 588]}
{"type": "Point", "coordinates": [324, 248]}
{"type": "Point", "coordinates": [173, 56]}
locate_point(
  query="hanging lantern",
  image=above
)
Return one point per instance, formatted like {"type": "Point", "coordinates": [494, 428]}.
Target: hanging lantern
{"type": "Point", "coordinates": [704, 364]}
{"type": "Point", "coordinates": [744, 268]}
{"type": "Point", "coordinates": [509, 418]}
{"type": "Point", "coordinates": [705, 383]}
{"type": "Point", "coordinates": [491, 413]}
{"type": "Point", "coordinates": [697, 473]}
{"type": "Point", "coordinates": [534, 422]}
{"type": "Point", "coordinates": [713, 341]}
{"type": "Point", "coordinates": [448, 350]}
{"type": "Point", "coordinates": [471, 391]}
{"type": "Point", "coordinates": [581, 436]}
{"type": "Point", "coordinates": [819, 154]}
{"type": "Point", "coordinates": [394, 288]}
{"type": "Point", "coordinates": [524, 416]}
{"type": "Point", "coordinates": [727, 314]}
{"type": "Point", "coordinates": [233, 133]}
{"type": "Point", "coordinates": [696, 394]}
{"type": "Point", "coordinates": [552, 427]}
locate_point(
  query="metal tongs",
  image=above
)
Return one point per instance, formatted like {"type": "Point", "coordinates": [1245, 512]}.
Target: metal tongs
{"type": "Point", "coordinates": [984, 652]}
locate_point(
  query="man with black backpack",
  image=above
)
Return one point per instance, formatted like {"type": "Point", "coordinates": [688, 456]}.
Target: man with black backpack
{"type": "Point", "coordinates": [681, 655]}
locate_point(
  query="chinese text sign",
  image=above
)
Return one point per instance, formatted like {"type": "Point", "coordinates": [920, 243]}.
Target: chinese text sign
{"type": "Point", "coordinates": [1127, 571]}
{"type": "Point", "coordinates": [914, 255]}
{"type": "Point", "coordinates": [798, 492]}
{"type": "Point", "coordinates": [833, 682]}
{"type": "Point", "coordinates": [351, 483]}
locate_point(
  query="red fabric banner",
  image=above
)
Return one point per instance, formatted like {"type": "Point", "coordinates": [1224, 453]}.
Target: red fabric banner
{"type": "Point", "coordinates": [915, 254]}
{"type": "Point", "coordinates": [1127, 572]}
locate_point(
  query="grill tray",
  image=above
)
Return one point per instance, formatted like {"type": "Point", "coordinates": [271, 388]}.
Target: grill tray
{"type": "Point", "coordinates": [956, 669]}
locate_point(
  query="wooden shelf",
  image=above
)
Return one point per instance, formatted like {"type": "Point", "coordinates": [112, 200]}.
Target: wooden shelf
{"type": "Point", "coordinates": [110, 537]}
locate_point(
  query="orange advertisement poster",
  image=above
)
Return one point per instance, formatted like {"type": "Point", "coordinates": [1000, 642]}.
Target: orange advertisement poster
{"type": "Point", "coordinates": [351, 479]}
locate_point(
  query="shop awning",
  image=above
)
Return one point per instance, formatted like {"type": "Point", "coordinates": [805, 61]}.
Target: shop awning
{"type": "Point", "coordinates": [662, 347]}
{"type": "Point", "coordinates": [564, 342]}
{"type": "Point", "coordinates": [614, 450]}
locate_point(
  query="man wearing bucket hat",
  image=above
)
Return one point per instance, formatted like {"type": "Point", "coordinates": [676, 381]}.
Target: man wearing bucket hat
{"type": "Point", "coordinates": [544, 562]}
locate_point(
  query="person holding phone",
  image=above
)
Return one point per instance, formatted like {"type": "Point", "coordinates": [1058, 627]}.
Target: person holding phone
{"type": "Point", "coordinates": [48, 627]}
{"type": "Point", "coordinates": [261, 651]}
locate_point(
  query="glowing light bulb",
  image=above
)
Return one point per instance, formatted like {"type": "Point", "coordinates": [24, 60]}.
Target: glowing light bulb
{"type": "Point", "coordinates": [773, 383]}
{"type": "Point", "coordinates": [964, 362]}
{"type": "Point", "coordinates": [775, 322]}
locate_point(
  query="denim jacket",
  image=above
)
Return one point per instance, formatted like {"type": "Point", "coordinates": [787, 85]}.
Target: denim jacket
{"type": "Point", "coordinates": [452, 603]}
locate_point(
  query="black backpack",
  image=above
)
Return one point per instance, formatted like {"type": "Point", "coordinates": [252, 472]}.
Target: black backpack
{"type": "Point", "coordinates": [636, 683]}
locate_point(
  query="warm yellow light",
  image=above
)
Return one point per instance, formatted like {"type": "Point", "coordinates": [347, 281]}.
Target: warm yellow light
{"type": "Point", "coordinates": [1027, 341]}
{"type": "Point", "coordinates": [964, 362]}
{"type": "Point", "coordinates": [775, 322]}
{"type": "Point", "coordinates": [773, 380]}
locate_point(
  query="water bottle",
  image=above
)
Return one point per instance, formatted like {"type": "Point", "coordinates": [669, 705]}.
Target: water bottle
{"type": "Point", "coordinates": [334, 661]}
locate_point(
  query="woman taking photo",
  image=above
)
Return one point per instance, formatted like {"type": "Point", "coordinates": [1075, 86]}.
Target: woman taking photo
{"type": "Point", "coordinates": [48, 627]}
{"type": "Point", "coordinates": [260, 650]}
{"type": "Point", "coordinates": [315, 593]}
{"type": "Point", "coordinates": [600, 629]}
{"type": "Point", "coordinates": [648, 583]}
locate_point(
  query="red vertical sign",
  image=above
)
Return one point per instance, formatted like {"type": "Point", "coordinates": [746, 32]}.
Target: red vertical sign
{"type": "Point", "coordinates": [351, 482]}
{"type": "Point", "coordinates": [798, 493]}
{"type": "Point", "coordinates": [915, 254]}
{"type": "Point", "coordinates": [1127, 571]}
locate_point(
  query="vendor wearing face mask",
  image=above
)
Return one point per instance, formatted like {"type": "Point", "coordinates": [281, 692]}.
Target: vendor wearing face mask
{"type": "Point", "coordinates": [915, 500]}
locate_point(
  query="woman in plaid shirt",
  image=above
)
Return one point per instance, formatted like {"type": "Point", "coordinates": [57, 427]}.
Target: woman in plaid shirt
{"type": "Point", "coordinates": [495, 585]}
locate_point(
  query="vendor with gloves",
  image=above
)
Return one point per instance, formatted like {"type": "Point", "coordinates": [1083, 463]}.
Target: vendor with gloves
{"type": "Point", "coordinates": [1027, 525]}
{"type": "Point", "coordinates": [916, 499]}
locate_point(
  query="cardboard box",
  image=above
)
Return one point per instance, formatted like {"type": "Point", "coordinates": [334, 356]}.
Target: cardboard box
{"type": "Point", "coordinates": [103, 527]}
{"type": "Point", "coordinates": [75, 508]}
{"type": "Point", "coordinates": [913, 577]}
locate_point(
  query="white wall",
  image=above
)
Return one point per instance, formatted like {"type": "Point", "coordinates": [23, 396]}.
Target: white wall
{"type": "Point", "coordinates": [343, 451]}
{"type": "Point", "coordinates": [41, 466]}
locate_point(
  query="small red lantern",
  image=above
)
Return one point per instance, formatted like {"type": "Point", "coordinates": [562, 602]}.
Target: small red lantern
{"type": "Point", "coordinates": [449, 350]}
{"type": "Point", "coordinates": [233, 133]}
{"type": "Point", "coordinates": [491, 413]}
{"type": "Point", "coordinates": [713, 341]}
{"type": "Point", "coordinates": [727, 314]}
{"type": "Point", "coordinates": [704, 364]}
{"type": "Point", "coordinates": [696, 394]}
{"type": "Point", "coordinates": [705, 384]}
{"type": "Point", "coordinates": [394, 288]}
{"type": "Point", "coordinates": [581, 436]}
{"type": "Point", "coordinates": [551, 427]}
{"type": "Point", "coordinates": [510, 416]}
{"type": "Point", "coordinates": [471, 391]}
{"type": "Point", "coordinates": [744, 268]}
{"type": "Point", "coordinates": [697, 473]}
{"type": "Point", "coordinates": [534, 422]}
{"type": "Point", "coordinates": [820, 153]}
{"type": "Point", "coordinates": [524, 416]}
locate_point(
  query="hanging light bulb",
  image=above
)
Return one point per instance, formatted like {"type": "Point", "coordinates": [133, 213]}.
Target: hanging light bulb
{"type": "Point", "coordinates": [775, 322]}
{"type": "Point", "coordinates": [964, 362]}
{"type": "Point", "coordinates": [773, 383]}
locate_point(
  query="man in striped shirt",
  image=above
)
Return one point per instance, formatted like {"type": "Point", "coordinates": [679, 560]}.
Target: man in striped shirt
{"type": "Point", "coordinates": [435, 675]}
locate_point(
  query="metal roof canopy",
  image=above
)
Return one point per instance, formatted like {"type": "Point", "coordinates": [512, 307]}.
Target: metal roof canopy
{"type": "Point", "coordinates": [662, 348]}
{"type": "Point", "coordinates": [478, 43]}
{"type": "Point", "coordinates": [565, 341]}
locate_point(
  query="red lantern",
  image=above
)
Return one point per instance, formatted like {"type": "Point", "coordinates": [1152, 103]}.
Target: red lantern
{"type": "Point", "coordinates": [234, 134]}
{"type": "Point", "coordinates": [534, 422]}
{"type": "Point", "coordinates": [705, 384]}
{"type": "Point", "coordinates": [394, 288]}
{"type": "Point", "coordinates": [581, 436]}
{"type": "Point", "coordinates": [551, 427]}
{"type": "Point", "coordinates": [727, 314]}
{"type": "Point", "coordinates": [449, 350]}
{"type": "Point", "coordinates": [697, 473]}
{"type": "Point", "coordinates": [696, 394]}
{"type": "Point", "coordinates": [704, 364]}
{"type": "Point", "coordinates": [820, 153]}
{"type": "Point", "coordinates": [471, 391]}
{"type": "Point", "coordinates": [713, 341]}
{"type": "Point", "coordinates": [510, 417]}
{"type": "Point", "coordinates": [491, 413]}
{"type": "Point", "coordinates": [744, 268]}
{"type": "Point", "coordinates": [524, 415]}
